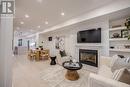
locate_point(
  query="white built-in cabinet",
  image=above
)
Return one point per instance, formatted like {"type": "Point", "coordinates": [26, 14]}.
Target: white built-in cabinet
{"type": "Point", "coordinates": [118, 43]}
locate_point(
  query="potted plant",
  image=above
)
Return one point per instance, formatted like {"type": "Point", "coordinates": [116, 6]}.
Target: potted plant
{"type": "Point", "coordinates": [129, 37]}
{"type": "Point", "coordinates": [127, 24]}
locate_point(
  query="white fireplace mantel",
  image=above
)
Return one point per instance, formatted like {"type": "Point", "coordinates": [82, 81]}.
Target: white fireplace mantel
{"type": "Point", "coordinates": [89, 44]}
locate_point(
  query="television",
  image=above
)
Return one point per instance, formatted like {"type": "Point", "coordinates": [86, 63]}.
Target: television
{"type": "Point", "coordinates": [89, 36]}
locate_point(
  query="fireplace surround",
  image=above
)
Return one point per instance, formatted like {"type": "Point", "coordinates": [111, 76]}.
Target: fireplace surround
{"type": "Point", "coordinates": [89, 57]}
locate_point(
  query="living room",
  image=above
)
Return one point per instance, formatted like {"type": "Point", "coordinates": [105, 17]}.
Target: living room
{"type": "Point", "coordinates": [66, 39]}
{"type": "Point", "coordinates": [88, 48]}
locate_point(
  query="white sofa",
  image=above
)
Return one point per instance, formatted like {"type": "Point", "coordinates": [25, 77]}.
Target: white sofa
{"type": "Point", "coordinates": [104, 76]}
{"type": "Point", "coordinates": [60, 59]}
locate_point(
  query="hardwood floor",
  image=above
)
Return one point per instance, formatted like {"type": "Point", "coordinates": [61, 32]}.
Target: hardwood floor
{"type": "Point", "coordinates": [27, 73]}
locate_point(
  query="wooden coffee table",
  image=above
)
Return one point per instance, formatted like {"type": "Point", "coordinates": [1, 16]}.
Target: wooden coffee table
{"type": "Point", "coordinates": [72, 73]}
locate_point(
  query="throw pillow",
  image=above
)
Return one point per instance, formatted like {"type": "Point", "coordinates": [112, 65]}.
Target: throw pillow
{"type": "Point", "coordinates": [116, 73]}
{"type": "Point", "coordinates": [121, 56]}
{"type": "Point", "coordinates": [122, 75]}
{"type": "Point", "coordinates": [63, 53]}
{"type": "Point", "coordinates": [127, 60]}
{"type": "Point", "coordinates": [120, 63]}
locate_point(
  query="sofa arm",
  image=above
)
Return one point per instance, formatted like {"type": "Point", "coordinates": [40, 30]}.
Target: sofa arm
{"type": "Point", "coordinates": [100, 81]}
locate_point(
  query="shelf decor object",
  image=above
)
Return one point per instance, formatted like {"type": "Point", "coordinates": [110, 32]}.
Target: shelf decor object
{"type": "Point", "coordinates": [119, 37]}
{"type": "Point", "coordinates": [116, 35]}
{"type": "Point", "coordinates": [124, 33]}
{"type": "Point", "coordinates": [128, 37]}
{"type": "Point", "coordinates": [127, 24]}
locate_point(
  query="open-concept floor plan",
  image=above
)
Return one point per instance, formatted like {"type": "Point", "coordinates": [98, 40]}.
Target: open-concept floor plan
{"type": "Point", "coordinates": [65, 43]}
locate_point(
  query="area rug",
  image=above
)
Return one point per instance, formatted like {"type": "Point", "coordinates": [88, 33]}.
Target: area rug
{"type": "Point", "coordinates": [55, 77]}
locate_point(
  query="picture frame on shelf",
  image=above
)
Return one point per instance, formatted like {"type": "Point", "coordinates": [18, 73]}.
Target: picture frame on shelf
{"type": "Point", "coordinates": [124, 33]}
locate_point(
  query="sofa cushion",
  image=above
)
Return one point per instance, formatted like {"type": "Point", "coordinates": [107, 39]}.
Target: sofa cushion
{"type": "Point", "coordinates": [105, 71]}
{"type": "Point", "coordinates": [122, 75]}
{"type": "Point", "coordinates": [116, 74]}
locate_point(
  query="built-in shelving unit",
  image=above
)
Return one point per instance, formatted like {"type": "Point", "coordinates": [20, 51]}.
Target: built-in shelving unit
{"type": "Point", "coordinates": [117, 45]}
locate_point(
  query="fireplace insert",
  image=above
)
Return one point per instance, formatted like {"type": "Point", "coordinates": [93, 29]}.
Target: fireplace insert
{"type": "Point", "coordinates": [89, 57]}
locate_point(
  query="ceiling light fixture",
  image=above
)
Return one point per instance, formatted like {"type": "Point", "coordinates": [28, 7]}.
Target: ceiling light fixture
{"type": "Point", "coordinates": [21, 22]}
{"type": "Point", "coordinates": [38, 26]}
{"type": "Point", "coordinates": [26, 16]}
{"type": "Point", "coordinates": [62, 13]}
{"type": "Point", "coordinates": [46, 22]}
{"type": "Point", "coordinates": [40, 1]}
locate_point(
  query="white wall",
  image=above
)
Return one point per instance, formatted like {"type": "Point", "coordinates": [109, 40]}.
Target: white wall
{"type": "Point", "coordinates": [70, 34]}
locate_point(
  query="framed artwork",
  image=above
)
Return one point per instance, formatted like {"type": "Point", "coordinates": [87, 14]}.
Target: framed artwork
{"type": "Point", "coordinates": [60, 43]}
{"type": "Point", "coordinates": [49, 38]}
{"type": "Point", "coordinates": [57, 43]}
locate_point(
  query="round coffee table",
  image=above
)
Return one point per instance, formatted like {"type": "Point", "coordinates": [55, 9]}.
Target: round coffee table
{"type": "Point", "coordinates": [72, 68]}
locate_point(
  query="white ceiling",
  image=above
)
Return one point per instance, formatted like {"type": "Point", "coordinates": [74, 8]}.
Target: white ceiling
{"type": "Point", "coordinates": [50, 10]}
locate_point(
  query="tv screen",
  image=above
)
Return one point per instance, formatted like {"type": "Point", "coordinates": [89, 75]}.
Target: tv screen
{"type": "Point", "coordinates": [89, 36]}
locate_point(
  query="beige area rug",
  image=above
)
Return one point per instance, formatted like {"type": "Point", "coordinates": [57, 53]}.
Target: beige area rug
{"type": "Point", "coordinates": [54, 76]}
{"type": "Point", "coordinates": [28, 73]}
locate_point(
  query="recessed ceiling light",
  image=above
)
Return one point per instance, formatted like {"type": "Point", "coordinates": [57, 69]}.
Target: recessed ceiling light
{"type": "Point", "coordinates": [46, 22]}
{"type": "Point", "coordinates": [21, 22]}
{"type": "Point", "coordinates": [62, 13]}
{"type": "Point", "coordinates": [40, 1]}
{"type": "Point", "coordinates": [26, 16]}
{"type": "Point", "coordinates": [38, 26]}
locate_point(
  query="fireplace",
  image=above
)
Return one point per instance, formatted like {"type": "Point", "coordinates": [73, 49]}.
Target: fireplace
{"type": "Point", "coordinates": [89, 57]}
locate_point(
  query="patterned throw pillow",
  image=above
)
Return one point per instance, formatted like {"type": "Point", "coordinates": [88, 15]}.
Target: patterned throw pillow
{"type": "Point", "coordinates": [120, 63]}
{"type": "Point", "coordinates": [127, 60]}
